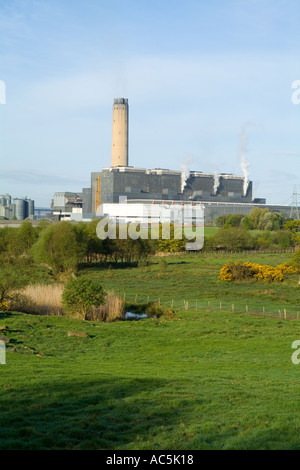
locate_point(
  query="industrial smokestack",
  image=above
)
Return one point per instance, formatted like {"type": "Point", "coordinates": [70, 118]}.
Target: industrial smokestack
{"type": "Point", "coordinates": [119, 152]}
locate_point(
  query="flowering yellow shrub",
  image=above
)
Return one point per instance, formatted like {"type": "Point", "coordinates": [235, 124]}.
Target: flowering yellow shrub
{"type": "Point", "coordinates": [240, 271]}
{"type": "Point", "coordinates": [4, 306]}
{"type": "Point", "coordinates": [287, 268]}
{"type": "Point", "coordinates": [225, 274]}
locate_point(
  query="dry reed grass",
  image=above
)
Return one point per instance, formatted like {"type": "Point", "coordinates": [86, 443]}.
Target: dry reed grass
{"type": "Point", "coordinates": [47, 300]}
{"type": "Point", "coordinates": [113, 309]}
{"type": "Point", "coordinates": [39, 300]}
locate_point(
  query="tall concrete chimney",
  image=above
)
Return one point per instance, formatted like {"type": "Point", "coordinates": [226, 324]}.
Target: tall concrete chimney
{"type": "Point", "coordinates": [119, 151]}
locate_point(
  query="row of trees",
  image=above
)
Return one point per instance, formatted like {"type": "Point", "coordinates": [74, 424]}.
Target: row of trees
{"type": "Point", "coordinates": [240, 239]}
{"type": "Point", "coordinates": [63, 246]}
{"type": "Point", "coordinates": [257, 219]}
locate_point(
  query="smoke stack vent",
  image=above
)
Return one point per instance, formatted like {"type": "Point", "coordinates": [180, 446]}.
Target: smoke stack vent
{"type": "Point", "coordinates": [119, 152]}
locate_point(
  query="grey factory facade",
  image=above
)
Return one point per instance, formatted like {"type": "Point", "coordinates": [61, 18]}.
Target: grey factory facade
{"type": "Point", "coordinates": [219, 193]}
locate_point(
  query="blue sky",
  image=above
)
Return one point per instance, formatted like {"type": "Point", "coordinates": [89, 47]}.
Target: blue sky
{"type": "Point", "coordinates": [196, 74]}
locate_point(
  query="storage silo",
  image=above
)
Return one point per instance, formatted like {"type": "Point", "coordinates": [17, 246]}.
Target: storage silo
{"type": "Point", "coordinates": [20, 209]}
{"type": "Point", "coordinates": [5, 199]}
{"type": "Point", "coordinates": [8, 199]}
{"type": "Point", "coordinates": [29, 208]}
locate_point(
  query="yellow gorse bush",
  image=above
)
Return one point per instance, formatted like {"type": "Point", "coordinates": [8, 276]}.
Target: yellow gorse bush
{"type": "Point", "coordinates": [4, 306]}
{"type": "Point", "coordinates": [225, 274]}
{"type": "Point", "coordinates": [241, 271]}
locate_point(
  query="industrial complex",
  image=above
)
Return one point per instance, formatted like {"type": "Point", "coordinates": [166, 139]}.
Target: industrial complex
{"type": "Point", "coordinates": [17, 208]}
{"type": "Point", "coordinates": [218, 193]}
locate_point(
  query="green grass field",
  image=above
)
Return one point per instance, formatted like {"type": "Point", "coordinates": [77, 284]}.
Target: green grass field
{"type": "Point", "coordinates": [210, 231]}
{"type": "Point", "coordinates": [194, 279]}
{"type": "Point", "coordinates": [199, 380]}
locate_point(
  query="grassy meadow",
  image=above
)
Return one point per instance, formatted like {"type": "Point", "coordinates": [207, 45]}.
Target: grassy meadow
{"type": "Point", "coordinates": [194, 279]}
{"type": "Point", "coordinates": [205, 378]}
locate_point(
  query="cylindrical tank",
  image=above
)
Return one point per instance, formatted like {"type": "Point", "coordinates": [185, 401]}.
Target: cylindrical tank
{"type": "Point", "coordinates": [8, 199]}
{"type": "Point", "coordinates": [30, 208]}
{"type": "Point", "coordinates": [119, 152]}
{"type": "Point", "coordinates": [20, 209]}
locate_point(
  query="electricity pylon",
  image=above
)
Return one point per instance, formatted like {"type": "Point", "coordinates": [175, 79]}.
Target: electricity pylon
{"type": "Point", "coordinates": [294, 212]}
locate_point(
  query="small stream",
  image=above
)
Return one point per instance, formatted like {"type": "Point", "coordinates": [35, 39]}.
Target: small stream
{"type": "Point", "coordinates": [135, 316]}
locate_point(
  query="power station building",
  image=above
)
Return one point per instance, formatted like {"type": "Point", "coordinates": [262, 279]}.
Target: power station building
{"type": "Point", "coordinates": [165, 185]}
{"type": "Point", "coordinates": [219, 193]}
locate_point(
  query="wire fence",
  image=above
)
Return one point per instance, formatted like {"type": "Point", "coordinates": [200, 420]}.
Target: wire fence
{"type": "Point", "coordinates": [226, 253]}
{"type": "Point", "coordinates": [291, 312]}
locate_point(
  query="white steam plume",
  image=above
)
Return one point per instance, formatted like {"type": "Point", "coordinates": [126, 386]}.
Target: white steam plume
{"type": "Point", "coordinates": [216, 182]}
{"type": "Point", "coordinates": [185, 173]}
{"type": "Point", "coordinates": [243, 149]}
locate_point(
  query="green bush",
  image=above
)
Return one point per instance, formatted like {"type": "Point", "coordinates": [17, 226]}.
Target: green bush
{"type": "Point", "coordinates": [246, 223]}
{"type": "Point", "coordinates": [11, 279]}
{"type": "Point", "coordinates": [60, 247]}
{"type": "Point", "coordinates": [234, 220]}
{"type": "Point", "coordinates": [292, 225]}
{"type": "Point", "coordinates": [80, 295]}
{"type": "Point", "coordinates": [221, 220]}
{"type": "Point", "coordinates": [229, 220]}
{"type": "Point", "coordinates": [156, 310]}
{"type": "Point", "coordinates": [263, 219]}
{"type": "Point", "coordinates": [233, 239]}
{"type": "Point", "coordinates": [295, 261]}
